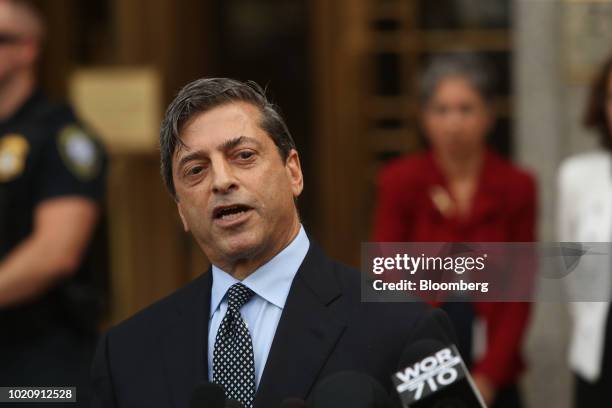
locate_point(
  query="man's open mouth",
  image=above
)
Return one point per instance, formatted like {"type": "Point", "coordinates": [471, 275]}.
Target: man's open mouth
{"type": "Point", "coordinates": [230, 212]}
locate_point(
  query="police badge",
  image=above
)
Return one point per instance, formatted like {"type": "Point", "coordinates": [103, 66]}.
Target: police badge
{"type": "Point", "coordinates": [79, 152]}
{"type": "Point", "coordinates": [13, 153]}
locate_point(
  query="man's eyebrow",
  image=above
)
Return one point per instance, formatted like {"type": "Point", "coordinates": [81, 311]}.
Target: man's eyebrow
{"type": "Point", "coordinates": [187, 158]}
{"type": "Point", "coordinates": [227, 145]}
{"type": "Point", "coordinates": [237, 141]}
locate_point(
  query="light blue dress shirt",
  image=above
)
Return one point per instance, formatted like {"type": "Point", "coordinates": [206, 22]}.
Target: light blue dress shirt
{"type": "Point", "coordinates": [271, 283]}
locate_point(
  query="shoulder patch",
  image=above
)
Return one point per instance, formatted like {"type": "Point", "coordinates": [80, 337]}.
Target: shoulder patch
{"type": "Point", "coordinates": [13, 153]}
{"type": "Point", "coordinates": [79, 152]}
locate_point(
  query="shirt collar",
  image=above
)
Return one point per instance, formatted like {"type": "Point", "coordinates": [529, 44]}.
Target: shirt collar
{"type": "Point", "coordinates": [270, 281]}
{"type": "Point", "coordinates": [27, 109]}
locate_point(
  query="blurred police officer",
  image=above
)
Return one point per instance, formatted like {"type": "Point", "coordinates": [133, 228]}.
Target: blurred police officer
{"type": "Point", "coordinates": [51, 191]}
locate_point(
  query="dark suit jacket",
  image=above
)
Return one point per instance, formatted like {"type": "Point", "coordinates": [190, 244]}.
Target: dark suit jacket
{"type": "Point", "coordinates": [157, 357]}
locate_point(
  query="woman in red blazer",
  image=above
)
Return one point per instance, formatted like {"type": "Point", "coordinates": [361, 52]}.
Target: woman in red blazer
{"type": "Point", "coordinates": [460, 191]}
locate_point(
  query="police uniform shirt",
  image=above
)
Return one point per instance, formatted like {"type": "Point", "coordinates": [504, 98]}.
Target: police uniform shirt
{"type": "Point", "coordinates": [44, 154]}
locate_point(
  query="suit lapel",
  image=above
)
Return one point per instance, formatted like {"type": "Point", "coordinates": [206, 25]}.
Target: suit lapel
{"type": "Point", "coordinates": [185, 344]}
{"type": "Point", "coordinates": [306, 334]}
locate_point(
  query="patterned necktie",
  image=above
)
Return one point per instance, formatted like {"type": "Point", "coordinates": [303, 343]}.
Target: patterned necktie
{"type": "Point", "coordinates": [233, 361]}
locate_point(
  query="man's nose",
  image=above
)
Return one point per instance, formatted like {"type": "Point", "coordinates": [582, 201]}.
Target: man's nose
{"type": "Point", "coordinates": [223, 178]}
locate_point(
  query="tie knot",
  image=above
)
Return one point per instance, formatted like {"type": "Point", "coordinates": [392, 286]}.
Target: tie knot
{"type": "Point", "coordinates": [238, 295]}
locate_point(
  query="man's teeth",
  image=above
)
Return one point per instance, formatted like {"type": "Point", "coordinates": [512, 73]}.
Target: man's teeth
{"type": "Point", "coordinates": [229, 216]}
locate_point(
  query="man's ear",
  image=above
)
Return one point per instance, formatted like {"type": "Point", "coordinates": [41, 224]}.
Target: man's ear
{"type": "Point", "coordinates": [294, 172]}
{"type": "Point", "coordinates": [180, 211]}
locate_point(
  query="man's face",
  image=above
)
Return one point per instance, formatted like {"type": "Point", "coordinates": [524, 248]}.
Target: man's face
{"type": "Point", "coordinates": [17, 45]}
{"type": "Point", "coordinates": [234, 192]}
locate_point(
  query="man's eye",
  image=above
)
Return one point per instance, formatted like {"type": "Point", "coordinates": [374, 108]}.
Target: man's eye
{"type": "Point", "coordinates": [245, 155]}
{"type": "Point", "coordinates": [195, 170]}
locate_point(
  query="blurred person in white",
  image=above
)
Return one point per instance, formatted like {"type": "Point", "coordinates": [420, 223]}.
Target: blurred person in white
{"type": "Point", "coordinates": [585, 215]}
{"type": "Point", "coordinates": [51, 194]}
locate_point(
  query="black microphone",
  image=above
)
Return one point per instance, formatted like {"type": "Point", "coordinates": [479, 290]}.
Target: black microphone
{"type": "Point", "coordinates": [293, 403]}
{"type": "Point", "coordinates": [232, 403]}
{"type": "Point", "coordinates": [208, 395]}
{"type": "Point", "coordinates": [433, 375]}
{"type": "Point", "coordinates": [436, 326]}
{"type": "Point", "coordinates": [349, 389]}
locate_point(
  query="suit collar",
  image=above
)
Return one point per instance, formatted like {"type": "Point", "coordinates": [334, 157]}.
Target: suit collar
{"type": "Point", "coordinates": [270, 281]}
{"type": "Point", "coordinates": [316, 272]}
{"type": "Point", "coordinates": [307, 333]}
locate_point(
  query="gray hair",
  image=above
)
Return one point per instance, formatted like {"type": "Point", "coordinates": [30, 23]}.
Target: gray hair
{"type": "Point", "coordinates": [471, 67]}
{"type": "Point", "coordinates": [205, 94]}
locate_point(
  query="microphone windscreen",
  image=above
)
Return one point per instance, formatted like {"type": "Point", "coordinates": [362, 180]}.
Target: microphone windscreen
{"type": "Point", "coordinates": [232, 403]}
{"type": "Point", "coordinates": [207, 395]}
{"type": "Point", "coordinates": [418, 350]}
{"type": "Point", "coordinates": [349, 389]}
{"type": "Point", "coordinates": [293, 403]}
{"type": "Point", "coordinates": [436, 325]}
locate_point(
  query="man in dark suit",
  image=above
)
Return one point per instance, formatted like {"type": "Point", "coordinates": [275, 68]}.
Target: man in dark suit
{"type": "Point", "coordinates": [273, 315]}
